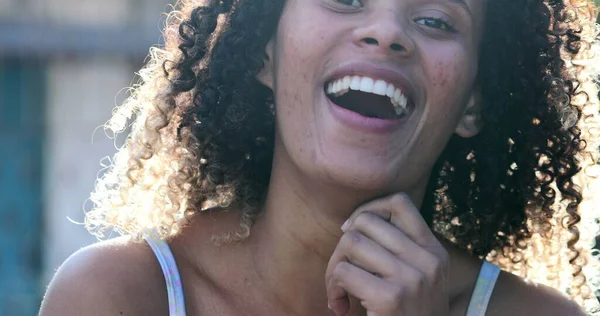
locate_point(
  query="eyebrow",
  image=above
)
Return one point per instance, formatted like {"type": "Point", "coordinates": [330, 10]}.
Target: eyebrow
{"type": "Point", "coordinates": [463, 4]}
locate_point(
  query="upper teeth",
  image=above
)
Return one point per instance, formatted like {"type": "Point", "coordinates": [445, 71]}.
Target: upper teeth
{"type": "Point", "coordinates": [365, 84]}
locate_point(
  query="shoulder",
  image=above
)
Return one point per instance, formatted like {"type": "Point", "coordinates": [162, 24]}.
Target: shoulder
{"type": "Point", "coordinates": [516, 296]}
{"type": "Point", "coordinates": [115, 277]}
{"type": "Point", "coordinates": [512, 295]}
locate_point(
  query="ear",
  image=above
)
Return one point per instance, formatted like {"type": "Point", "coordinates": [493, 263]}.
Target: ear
{"type": "Point", "coordinates": [266, 75]}
{"type": "Point", "coordinates": [471, 123]}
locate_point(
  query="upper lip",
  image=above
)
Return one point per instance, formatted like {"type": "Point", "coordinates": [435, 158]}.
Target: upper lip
{"type": "Point", "coordinates": [388, 74]}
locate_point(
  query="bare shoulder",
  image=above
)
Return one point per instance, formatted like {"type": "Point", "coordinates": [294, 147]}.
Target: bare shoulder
{"type": "Point", "coordinates": [115, 277]}
{"type": "Point", "coordinates": [516, 296]}
{"type": "Point", "coordinates": [512, 295]}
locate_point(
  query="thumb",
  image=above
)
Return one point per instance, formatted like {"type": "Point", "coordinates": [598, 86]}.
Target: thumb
{"type": "Point", "coordinates": [340, 306]}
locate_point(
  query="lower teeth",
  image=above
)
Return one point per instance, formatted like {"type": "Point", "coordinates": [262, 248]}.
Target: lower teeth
{"type": "Point", "coordinates": [399, 110]}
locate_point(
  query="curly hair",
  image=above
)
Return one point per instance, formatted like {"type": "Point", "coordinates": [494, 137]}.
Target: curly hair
{"type": "Point", "coordinates": [203, 135]}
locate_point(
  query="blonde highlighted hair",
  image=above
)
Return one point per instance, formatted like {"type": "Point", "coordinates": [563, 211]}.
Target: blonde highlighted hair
{"type": "Point", "coordinates": [172, 165]}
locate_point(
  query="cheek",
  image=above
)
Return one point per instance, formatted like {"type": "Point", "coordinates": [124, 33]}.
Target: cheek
{"type": "Point", "coordinates": [294, 63]}
{"type": "Point", "coordinates": [296, 32]}
{"type": "Point", "coordinates": [449, 85]}
{"type": "Point", "coordinates": [294, 68]}
{"type": "Point", "coordinates": [441, 75]}
{"type": "Point", "coordinates": [450, 80]}
{"type": "Point", "coordinates": [298, 56]}
{"type": "Point", "coordinates": [446, 73]}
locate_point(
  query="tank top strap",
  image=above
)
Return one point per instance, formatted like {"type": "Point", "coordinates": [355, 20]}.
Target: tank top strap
{"type": "Point", "coordinates": [486, 281]}
{"type": "Point", "coordinates": [165, 258]}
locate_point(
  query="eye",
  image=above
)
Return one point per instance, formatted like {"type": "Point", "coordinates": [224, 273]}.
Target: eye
{"type": "Point", "coordinates": [354, 3]}
{"type": "Point", "coordinates": [436, 23]}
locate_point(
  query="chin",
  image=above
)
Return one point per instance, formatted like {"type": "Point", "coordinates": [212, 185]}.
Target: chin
{"type": "Point", "coordinates": [363, 175]}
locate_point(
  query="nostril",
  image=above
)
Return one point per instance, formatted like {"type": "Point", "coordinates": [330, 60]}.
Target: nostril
{"type": "Point", "coordinates": [396, 47]}
{"type": "Point", "coordinates": [371, 41]}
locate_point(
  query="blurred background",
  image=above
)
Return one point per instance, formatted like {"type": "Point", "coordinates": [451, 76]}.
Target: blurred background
{"type": "Point", "coordinates": [63, 67]}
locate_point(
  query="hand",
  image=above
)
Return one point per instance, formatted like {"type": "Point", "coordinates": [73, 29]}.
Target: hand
{"type": "Point", "coordinates": [390, 261]}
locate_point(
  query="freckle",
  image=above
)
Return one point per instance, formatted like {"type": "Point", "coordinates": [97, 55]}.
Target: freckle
{"type": "Point", "coordinates": [442, 78]}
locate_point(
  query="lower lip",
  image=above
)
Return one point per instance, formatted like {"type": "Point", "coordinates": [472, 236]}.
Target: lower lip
{"type": "Point", "coordinates": [363, 123]}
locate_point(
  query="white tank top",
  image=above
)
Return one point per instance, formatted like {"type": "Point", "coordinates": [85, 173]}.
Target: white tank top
{"type": "Point", "coordinates": [477, 307]}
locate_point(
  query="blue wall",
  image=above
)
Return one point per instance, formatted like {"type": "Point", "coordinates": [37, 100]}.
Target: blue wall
{"type": "Point", "coordinates": [21, 139]}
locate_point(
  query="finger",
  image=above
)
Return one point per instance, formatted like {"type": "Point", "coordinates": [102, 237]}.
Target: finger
{"type": "Point", "coordinates": [365, 253]}
{"type": "Point", "coordinates": [350, 279]}
{"type": "Point", "coordinates": [392, 239]}
{"type": "Point", "coordinates": [375, 294]}
{"type": "Point", "coordinates": [337, 297]}
{"type": "Point", "coordinates": [399, 210]}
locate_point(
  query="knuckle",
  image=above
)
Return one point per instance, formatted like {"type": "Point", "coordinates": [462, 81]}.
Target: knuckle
{"type": "Point", "coordinates": [436, 267]}
{"type": "Point", "coordinates": [394, 296]}
{"type": "Point", "coordinates": [415, 279]}
{"type": "Point", "coordinates": [422, 235]}
{"type": "Point", "coordinates": [442, 262]}
{"type": "Point", "coordinates": [400, 198]}
{"type": "Point", "coordinates": [363, 219]}
{"type": "Point", "coordinates": [340, 271]}
{"type": "Point", "coordinates": [430, 258]}
{"type": "Point", "coordinates": [352, 240]}
{"type": "Point", "coordinates": [428, 238]}
{"type": "Point", "coordinates": [421, 279]}
{"type": "Point", "coordinates": [440, 259]}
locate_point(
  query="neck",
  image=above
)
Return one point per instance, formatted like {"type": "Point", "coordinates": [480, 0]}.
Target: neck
{"type": "Point", "coordinates": [297, 232]}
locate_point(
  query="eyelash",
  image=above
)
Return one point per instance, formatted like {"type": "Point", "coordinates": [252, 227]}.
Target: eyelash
{"type": "Point", "coordinates": [352, 2]}
{"type": "Point", "coordinates": [445, 24]}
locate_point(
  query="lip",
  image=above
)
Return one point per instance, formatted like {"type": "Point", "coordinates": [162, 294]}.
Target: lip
{"type": "Point", "coordinates": [374, 71]}
{"type": "Point", "coordinates": [389, 74]}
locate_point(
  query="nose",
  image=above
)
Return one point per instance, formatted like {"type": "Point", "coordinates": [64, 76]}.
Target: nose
{"type": "Point", "coordinates": [385, 33]}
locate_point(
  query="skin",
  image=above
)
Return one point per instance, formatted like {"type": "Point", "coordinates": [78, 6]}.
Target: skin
{"type": "Point", "coordinates": [298, 261]}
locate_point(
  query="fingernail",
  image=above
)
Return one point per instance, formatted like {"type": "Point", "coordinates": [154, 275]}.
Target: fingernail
{"type": "Point", "coordinates": [328, 305]}
{"type": "Point", "coordinates": [345, 226]}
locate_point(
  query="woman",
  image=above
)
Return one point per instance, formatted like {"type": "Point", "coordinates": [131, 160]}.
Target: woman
{"type": "Point", "coordinates": [348, 157]}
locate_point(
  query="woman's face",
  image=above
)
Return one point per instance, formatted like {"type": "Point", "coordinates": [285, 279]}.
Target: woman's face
{"type": "Point", "coordinates": [368, 92]}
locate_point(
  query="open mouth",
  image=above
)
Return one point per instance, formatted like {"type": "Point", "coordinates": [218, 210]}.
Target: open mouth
{"type": "Point", "coordinates": [368, 97]}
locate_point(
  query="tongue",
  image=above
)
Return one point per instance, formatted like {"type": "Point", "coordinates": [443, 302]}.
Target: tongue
{"type": "Point", "coordinates": [367, 104]}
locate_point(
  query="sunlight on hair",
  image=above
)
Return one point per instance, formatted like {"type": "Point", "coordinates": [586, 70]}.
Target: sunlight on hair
{"type": "Point", "coordinates": [152, 177]}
